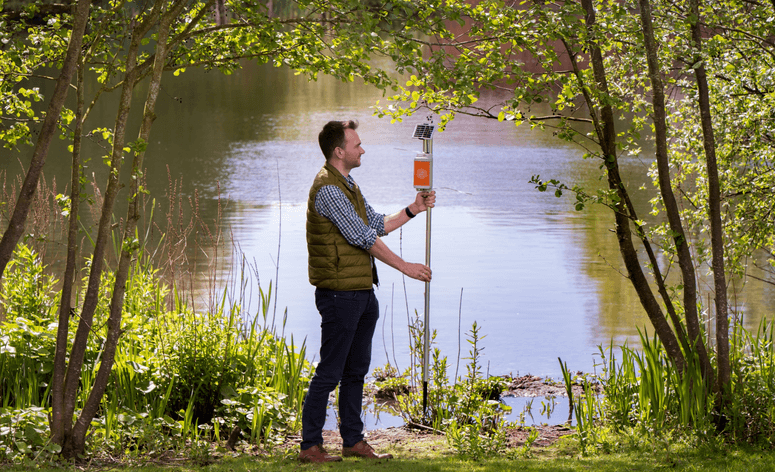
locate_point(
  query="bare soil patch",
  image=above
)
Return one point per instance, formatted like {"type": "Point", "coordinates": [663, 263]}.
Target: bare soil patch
{"type": "Point", "coordinates": [413, 440]}
{"type": "Point", "coordinates": [416, 442]}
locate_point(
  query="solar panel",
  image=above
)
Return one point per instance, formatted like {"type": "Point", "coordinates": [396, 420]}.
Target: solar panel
{"type": "Point", "coordinates": [423, 131]}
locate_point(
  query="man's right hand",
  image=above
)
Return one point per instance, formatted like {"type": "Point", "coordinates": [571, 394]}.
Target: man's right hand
{"type": "Point", "coordinates": [418, 271]}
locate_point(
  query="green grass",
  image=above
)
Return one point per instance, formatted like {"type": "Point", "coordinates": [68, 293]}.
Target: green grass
{"type": "Point", "coordinates": [555, 458]}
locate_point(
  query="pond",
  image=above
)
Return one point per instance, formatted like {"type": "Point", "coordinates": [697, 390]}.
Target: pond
{"type": "Point", "coordinates": [541, 280]}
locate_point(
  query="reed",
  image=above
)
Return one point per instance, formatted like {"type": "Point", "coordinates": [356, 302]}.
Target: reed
{"type": "Point", "coordinates": [644, 394]}
{"type": "Point", "coordinates": [751, 412]}
{"type": "Point", "coordinates": [644, 389]}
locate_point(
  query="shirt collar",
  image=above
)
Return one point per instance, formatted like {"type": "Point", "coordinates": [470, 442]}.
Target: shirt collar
{"type": "Point", "coordinates": [349, 180]}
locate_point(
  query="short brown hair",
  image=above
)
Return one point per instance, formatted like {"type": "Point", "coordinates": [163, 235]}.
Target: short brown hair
{"type": "Point", "coordinates": [332, 136]}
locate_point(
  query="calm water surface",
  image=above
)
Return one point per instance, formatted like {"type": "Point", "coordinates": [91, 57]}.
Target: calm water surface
{"type": "Point", "coordinates": [541, 280]}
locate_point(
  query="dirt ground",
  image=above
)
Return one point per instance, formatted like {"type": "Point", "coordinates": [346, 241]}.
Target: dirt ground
{"type": "Point", "coordinates": [413, 439]}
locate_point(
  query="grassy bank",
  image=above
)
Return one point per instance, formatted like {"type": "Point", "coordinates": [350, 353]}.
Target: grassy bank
{"type": "Point", "coordinates": [221, 390]}
{"type": "Point", "coordinates": [437, 457]}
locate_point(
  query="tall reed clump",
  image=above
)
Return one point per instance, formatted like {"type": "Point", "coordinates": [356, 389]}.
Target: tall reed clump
{"type": "Point", "coordinates": [751, 413]}
{"type": "Point", "coordinates": [468, 410]}
{"type": "Point", "coordinates": [646, 399]}
{"type": "Point", "coordinates": [643, 397]}
{"type": "Point", "coordinates": [181, 377]}
{"type": "Point", "coordinates": [46, 225]}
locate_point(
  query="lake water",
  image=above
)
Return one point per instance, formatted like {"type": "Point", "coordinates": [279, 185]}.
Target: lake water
{"type": "Point", "coordinates": [541, 280]}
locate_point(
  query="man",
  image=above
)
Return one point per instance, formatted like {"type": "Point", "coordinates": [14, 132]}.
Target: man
{"type": "Point", "coordinates": [343, 240]}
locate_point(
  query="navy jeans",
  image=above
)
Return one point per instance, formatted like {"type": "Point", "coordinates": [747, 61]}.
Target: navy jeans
{"type": "Point", "coordinates": [348, 320]}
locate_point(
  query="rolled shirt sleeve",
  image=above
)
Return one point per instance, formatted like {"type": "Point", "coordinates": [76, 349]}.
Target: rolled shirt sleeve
{"type": "Point", "coordinates": [333, 204]}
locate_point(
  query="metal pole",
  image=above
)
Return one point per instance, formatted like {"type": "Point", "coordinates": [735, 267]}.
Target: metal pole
{"type": "Point", "coordinates": [428, 149]}
{"type": "Point", "coordinates": [427, 319]}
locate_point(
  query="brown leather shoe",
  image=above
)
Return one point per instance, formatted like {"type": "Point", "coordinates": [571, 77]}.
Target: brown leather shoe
{"type": "Point", "coordinates": [317, 454]}
{"type": "Point", "coordinates": [364, 451]}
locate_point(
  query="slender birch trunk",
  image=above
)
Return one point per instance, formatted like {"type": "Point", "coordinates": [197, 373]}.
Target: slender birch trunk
{"type": "Point", "coordinates": [685, 263]}
{"type": "Point", "coordinates": [60, 362]}
{"type": "Point", "coordinates": [714, 208]}
{"type": "Point", "coordinates": [74, 435]}
{"type": "Point", "coordinates": [606, 133]}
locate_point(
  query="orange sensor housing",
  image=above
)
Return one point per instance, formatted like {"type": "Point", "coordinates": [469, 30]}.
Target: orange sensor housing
{"type": "Point", "coordinates": [423, 172]}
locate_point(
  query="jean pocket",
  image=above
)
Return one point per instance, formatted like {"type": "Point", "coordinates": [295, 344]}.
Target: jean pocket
{"type": "Point", "coordinates": [349, 295]}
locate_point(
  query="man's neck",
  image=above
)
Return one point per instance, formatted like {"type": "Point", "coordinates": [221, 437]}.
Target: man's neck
{"type": "Point", "coordinates": [339, 165]}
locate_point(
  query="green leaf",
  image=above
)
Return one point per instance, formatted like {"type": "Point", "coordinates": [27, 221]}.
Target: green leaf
{"type": "Point", "coordinates": [22, 447]}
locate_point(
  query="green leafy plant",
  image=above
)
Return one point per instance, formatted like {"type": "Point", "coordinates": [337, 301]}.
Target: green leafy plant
{"type": "Point", "coordinates": [196, 364]}
{"type": "Point", "coordinates": [645, 399]}
{"type": "Point", "coordinates": [24, 435]}
{"type": "Point", "coordinates": [261, 377]}
{"type": "Point", "coordinates": [390, 384]}
{"type": "Point", "coordinates": [27, 335]}
{"type": "Point", "coordinates": [465, 410]}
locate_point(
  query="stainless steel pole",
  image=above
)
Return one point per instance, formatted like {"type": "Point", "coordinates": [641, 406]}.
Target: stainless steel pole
{"type": "Point", "coordinates": [428, 149]}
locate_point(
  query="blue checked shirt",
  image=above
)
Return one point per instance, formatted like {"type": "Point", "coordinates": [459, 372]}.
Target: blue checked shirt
{"type": "Point", "coordinates": [333, 204]}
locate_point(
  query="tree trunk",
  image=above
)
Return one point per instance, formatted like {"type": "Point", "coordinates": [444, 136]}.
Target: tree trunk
{"type": "Point", "coordinates": [74, 445]}
{"type": "Point", "coordinates": [60, 362]}
{"type": "Point", "coordinates": [129, 246]}
{"type": "Point", "coordinates": [606, 132]}
{"type": "Point", "coordinates": [668, 197]}
{"type": "Point", "coordinates": [714, 208]}
{"type": "Point", "coordinates": [21, 209]}
{"type": "Point", "coordinates": [220, 12]}
{"type": "Point", "coordinates": [73, 376]}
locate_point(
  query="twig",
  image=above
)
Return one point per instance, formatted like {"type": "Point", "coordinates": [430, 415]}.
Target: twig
{"type": "Point", "coordinates": [760, 279]}
{"type": "Point", "coordinates": [392, 328]}
{"type": "Point", "coordinates": [420, 426]}
{"type": "Point", "coordinates": [459, 324]}
{"type": "Point", "coordinates": [384, 319]}
{"type": "Point", "coordinates": [406, 301]}
{"type": "Point", "coordinates": [279, 238]}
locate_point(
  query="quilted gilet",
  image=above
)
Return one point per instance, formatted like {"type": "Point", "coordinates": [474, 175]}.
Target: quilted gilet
{"type": "Point", "coordinates": [334, 263]}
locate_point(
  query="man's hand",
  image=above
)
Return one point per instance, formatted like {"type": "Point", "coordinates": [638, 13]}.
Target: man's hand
{"type": "Point", "coordinates": [417, 271]}
{"type": "Point", "coordinates": [423, 201]}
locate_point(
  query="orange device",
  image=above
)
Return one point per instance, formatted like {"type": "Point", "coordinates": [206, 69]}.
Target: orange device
{"type": "Point", "coordinates": [423, 171]}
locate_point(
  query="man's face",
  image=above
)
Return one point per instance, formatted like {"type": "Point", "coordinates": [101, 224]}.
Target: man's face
{"type": "Point", "coordinates": [352, 151]}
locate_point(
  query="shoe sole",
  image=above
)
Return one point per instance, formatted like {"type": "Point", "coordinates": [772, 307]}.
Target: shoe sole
{"type": "Point", "coordinates": [312, 461]}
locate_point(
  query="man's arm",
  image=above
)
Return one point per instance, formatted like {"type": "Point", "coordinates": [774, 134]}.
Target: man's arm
{"type": "Point", "coordinates": [422, 202]}
{"type": "Point", "coordinates": [331, 203]}
{"type": "Point", "coordinates": [383, 253]}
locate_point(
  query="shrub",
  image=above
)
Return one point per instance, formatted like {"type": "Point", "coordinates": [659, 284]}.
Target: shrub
{"type": "Point", "coordinates": [28, 338]}
{"type": "Point", "coordinates": [390, 384]}
{"type": "Point", "coordinates": [196, 367]}
{"type": "Point", "coordinates": [195, 360]}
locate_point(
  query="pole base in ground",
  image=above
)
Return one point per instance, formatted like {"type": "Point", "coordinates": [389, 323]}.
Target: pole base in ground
{"type": "Point", "coordinates": [424, 399]}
